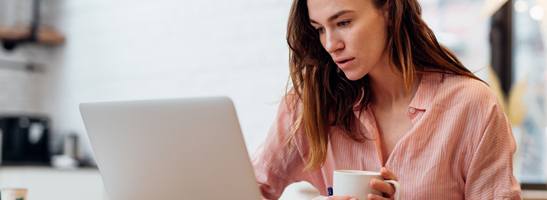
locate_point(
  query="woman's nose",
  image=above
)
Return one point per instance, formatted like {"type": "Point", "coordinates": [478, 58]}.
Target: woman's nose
{"type": "Point", "coordinates": [333, 43]}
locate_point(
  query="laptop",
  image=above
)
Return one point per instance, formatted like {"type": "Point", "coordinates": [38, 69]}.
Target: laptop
{"type": "Point", "coordinates": [170, 149]}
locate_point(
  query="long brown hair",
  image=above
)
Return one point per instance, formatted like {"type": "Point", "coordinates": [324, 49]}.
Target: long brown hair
{"type": "Point", "coordinates": [327, 97]}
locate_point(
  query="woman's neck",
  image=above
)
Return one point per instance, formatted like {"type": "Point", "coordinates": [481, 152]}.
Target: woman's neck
{"type": "Point", "coordinates": [388, 87]}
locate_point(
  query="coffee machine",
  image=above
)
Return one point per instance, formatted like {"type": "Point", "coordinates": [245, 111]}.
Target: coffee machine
{"type": "Point", "coordinates": [25, 140]}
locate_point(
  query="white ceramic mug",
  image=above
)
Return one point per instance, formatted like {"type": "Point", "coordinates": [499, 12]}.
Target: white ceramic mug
{"type": "Point", "coordinates": [357, 183]}
{"type": "Point", "coordinates": [13, 194]}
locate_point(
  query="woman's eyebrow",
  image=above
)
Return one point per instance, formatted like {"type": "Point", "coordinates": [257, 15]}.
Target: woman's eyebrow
{"type": "Point", "coordinates": [333, 17]}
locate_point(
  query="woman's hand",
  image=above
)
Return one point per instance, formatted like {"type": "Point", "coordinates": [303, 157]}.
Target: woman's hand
{"type": "Point", "coordinates": [386, 188]}
{"type": "Point", "coordinates": [334, 198]}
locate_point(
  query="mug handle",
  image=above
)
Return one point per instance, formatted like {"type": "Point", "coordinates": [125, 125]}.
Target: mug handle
{"type": "Point", "coordinates": [397, 188]}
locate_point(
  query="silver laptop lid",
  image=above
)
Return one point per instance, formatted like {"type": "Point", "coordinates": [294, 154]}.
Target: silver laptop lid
{"type": "Point", "coordinates": [170, 149]}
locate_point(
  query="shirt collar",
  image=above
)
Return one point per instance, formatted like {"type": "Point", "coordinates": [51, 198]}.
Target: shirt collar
{"type": "Point", "coordinates": [424, 96]}
{"type": "Point", "coordinates": [426, 91]}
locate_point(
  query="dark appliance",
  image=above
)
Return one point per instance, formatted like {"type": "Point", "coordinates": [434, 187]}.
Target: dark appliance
{"type": "Point", "coordinates": [25, 140]}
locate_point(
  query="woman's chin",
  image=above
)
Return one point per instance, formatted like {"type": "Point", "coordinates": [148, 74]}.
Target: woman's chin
{"type": "Point", "coordinates": [354, 76]}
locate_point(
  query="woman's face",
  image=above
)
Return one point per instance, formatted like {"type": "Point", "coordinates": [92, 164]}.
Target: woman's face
{"type": "Point", "coordinates": [354, 33]}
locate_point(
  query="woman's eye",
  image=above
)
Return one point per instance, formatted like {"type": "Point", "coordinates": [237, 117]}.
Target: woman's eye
{"type": "Point", "coordinates": [320, 30]}
{"type": "Point", "coordinates": [343, 23]}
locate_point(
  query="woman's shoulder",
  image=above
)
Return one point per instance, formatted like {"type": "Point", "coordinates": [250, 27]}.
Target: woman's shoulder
{"type": "Point", "coordinates": [462, 91]}
{"type": "Point", "coordinates": [289, 110]}
{"type": "Point", "coordinates": [290, 103]}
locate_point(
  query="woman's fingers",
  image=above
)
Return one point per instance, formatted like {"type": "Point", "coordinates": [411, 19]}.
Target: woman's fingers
{"type": "Point", "coordinates": [342, 198]}
{"type": "Point", "coordinates": [388, 174]}
{"type": "Point", "coordinates": [376, 197]}
{"type": "Point", "coordinates": [386, 188]}
{"type": "Point", "coordinates": [383, 187]}
{"type": "Point", "coordinates": [335, 198]}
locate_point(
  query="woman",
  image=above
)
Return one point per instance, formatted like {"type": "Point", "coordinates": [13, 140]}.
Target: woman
{"type": "Point", "coordinates": [373, 90]}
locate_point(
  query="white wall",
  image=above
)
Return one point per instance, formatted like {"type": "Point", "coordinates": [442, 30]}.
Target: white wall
{"type": "Point", "coordinates": [150, 49]}
{"type": "Point", "coordinates": [20, 90]}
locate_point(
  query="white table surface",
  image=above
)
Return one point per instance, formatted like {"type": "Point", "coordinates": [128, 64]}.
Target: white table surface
{"type": "Point", "coordinates": [47, 183]}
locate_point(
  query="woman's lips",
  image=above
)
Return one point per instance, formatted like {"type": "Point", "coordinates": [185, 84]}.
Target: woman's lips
{"type": "Point", "coordinates": [345, 63]}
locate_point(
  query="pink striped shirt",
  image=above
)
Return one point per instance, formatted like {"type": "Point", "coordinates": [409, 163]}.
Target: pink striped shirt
{"type": "Point", "coordinates": [460, 147]}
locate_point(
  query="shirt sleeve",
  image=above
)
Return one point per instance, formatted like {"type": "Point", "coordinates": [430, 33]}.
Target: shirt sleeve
{"type": "Point", "coordinates": [490, 174]}
{"type": "Point", "coordinates": [276, 165]}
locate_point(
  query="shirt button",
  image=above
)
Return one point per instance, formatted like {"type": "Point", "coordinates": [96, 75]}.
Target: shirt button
{"type": "Point", "coordinates": [412, 110]}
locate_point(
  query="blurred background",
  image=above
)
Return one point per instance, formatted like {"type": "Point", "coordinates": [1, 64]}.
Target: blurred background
{"type": "Point", "coordinates": [57, 53]}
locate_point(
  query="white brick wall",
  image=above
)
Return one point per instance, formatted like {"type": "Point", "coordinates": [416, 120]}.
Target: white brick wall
{"type": "Point", "coordinates": [21, 92]}
{"type": "Point", "coordinates": [17, 94]}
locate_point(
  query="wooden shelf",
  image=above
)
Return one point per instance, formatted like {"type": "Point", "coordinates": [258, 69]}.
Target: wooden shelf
{"type": "Point", "coordinates": [43, 36]}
